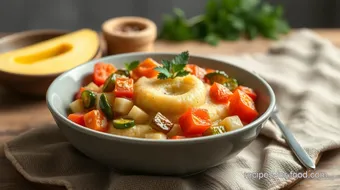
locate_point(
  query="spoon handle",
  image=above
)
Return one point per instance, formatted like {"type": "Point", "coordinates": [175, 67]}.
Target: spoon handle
{"type": "Point", "coordinates": [300, 153]}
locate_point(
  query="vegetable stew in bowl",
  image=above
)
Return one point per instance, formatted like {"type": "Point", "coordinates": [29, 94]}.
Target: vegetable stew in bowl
{"type": "Point", "coordinates": [173, 99]}
{"type": "Point", "coordinates": [161, 113]}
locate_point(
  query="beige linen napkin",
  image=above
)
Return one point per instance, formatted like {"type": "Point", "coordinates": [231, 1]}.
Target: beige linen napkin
{"type": "Point", "coordinates": [304, 71]}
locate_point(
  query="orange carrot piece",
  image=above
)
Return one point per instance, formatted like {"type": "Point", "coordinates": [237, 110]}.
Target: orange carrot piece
{"type": "Point", "coordinates": [195, 121]}
{"type": "Point", "coordinates": [77, 118]}
{"type": "Point", "coordinates": [146, 69]}
{"type": "Point", "coordinates": [96, 120]}
{"type": "Point", "coordinates": [219, 93]}
{"type": "Point", "coordinates": [243, 106]}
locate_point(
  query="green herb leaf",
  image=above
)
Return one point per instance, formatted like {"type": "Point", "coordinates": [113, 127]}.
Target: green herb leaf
{"type": "Point", "coordinates": [212, 39]}
{"type": "Point", "coordinates": [179, 62]}
{"type": "Point", "coordinates": [181, 58]}
{"type": "Point", "coordinates": [166, 64]}
{"type": "Point", "coordinates": [174, 68]}
{"type": "Point", "coordinates": [282, 26]}
{"type": "Point", "coordinates": [131, 66]}
{"type": "Point", "coordinates": [176, 28]}
{"type": "Point", "coordinates": [251, 32]}
{"type": "Point", "coordinates": [178, 67]}
{"type": "Point", "coordinates": [182, 73]}
{"type": "Point", "coordinates": [163, 71]}
{"type": "Point", "coordinates": [227, 20]}
{"type": "Point", "coordinates": [249, 5]}
{"type": "Point", "coordinates": [162, 76]}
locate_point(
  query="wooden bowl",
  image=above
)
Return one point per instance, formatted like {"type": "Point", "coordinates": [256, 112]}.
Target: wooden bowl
{"type": "Point", "coordinates": [33, 85]}
{"type": "Point", "coordinates": [129, 34]}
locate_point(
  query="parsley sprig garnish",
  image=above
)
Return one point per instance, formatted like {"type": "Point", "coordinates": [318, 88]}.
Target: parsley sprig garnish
{"type": "Point", "coordinates": [174, 68]}
{"type": "Point", "coordinates": [131, 66]}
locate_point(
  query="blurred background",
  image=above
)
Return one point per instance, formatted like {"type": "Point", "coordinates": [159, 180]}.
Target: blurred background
{"type": "Point", "coordinates": [18, 15]}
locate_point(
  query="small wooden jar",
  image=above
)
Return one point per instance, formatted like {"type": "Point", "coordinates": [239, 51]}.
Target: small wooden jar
{"type": "Point", "coordinates": [129, 34]}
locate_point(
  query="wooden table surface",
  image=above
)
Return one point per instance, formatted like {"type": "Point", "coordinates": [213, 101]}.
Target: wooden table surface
{"type": "Point", "coordinates": [19, 113]}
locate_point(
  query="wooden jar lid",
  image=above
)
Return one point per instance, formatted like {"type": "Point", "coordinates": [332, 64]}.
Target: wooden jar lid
{"type": "Point", "coordinates": [129, 34]}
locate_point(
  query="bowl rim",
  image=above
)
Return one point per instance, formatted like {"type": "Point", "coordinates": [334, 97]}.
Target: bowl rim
{"type": "Point", "coordinates": [37, 32]}
{"type": "Point", "coordinates": [110, 136]}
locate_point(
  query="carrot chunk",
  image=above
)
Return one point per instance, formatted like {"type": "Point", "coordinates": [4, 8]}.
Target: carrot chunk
{"type": "Point", "coordinates": [101, 72]}
{"type": "Point", "coordinates": [146, 69]}
{"type": "Point", "coordinates": [77, 118]}
{"type": "Point", "coordinates": [219, 93]}
{"type": "Point", "coordinates": [195, 121]}
{"type": "Point", "coordinates": [96, 120]}
{"type": "Point", "coordinates": [243, 106]}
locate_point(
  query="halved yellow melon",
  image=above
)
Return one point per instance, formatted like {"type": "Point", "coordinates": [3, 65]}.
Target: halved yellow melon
{"type": "Point", "coordinates": [52, 56]}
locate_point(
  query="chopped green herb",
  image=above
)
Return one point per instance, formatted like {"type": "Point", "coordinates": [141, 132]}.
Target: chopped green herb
{"type": "Point", "coordinates": [131, 66]}
{"type": "Point", "coordinates": [174, 68]}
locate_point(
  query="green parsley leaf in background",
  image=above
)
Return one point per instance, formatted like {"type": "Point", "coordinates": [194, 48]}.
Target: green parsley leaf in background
{"type": "Point", "coordinates": [226, 20]}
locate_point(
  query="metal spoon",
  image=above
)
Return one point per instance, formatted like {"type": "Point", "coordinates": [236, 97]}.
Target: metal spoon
{"type": "Point", "coordinates": [299, 152]}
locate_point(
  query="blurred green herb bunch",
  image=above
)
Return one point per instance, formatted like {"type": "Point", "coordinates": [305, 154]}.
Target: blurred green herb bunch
{"type": "Point", "coordinates": [226, 20]}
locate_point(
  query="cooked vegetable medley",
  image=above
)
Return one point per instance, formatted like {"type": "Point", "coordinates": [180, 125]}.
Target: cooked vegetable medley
{"type": "Point", "coordinates": [167, 100]}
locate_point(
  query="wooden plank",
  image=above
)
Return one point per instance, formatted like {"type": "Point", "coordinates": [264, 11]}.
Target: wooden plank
{"type": "Point", "coordinates": [329, 166]}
